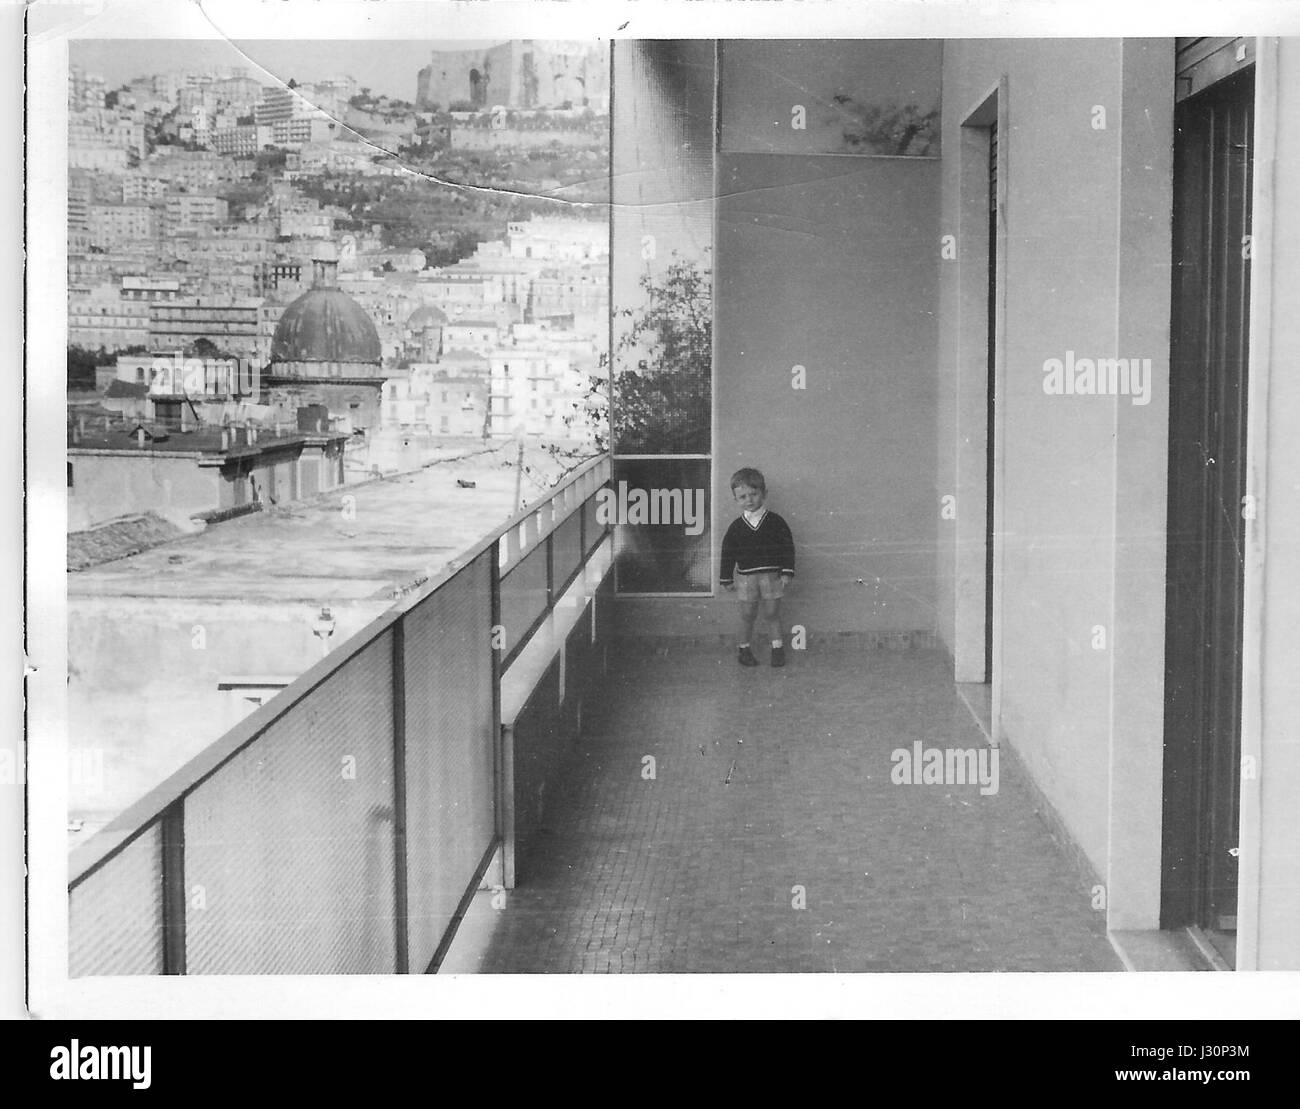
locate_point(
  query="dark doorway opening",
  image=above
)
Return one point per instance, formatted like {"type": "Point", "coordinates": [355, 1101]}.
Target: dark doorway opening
{"type": "Point", "coordinates": [1213, 155]}
{"type": "Point", "coordinates": [991, 406]}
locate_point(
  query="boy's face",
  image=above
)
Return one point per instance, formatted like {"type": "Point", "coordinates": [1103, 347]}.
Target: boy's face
{"type": "Point", "coordinates": [749, 498]}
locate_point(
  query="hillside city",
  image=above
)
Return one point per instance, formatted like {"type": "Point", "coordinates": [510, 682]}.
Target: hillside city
{"type": "Point", "coordinates": [222, 232]}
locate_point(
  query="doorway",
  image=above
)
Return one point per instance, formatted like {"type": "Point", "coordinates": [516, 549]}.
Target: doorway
{"type": "Point", "coordinates": [1207, 512]}
{"type": "Point", "coordinates": [990, 415]}
{"type": "Point", "coordinates": [979, 248]}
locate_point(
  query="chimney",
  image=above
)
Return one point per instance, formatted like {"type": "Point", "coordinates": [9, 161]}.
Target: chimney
{"type": "Point", "coordinates": [252, 435]}
{"type": "Point", "coordinates": [139, 437]}
{"type": "Point", "coordinates": [225, 438]}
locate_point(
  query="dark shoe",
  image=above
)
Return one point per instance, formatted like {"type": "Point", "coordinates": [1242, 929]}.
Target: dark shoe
{"type": "Point", "coordinates": [778, 656]}
{"type": "Point", "coordinates": [747, 657]}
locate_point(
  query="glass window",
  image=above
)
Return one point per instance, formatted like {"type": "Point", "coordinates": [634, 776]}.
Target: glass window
{"type": "Point", "coordinates": [888, 107]}
{"type": "Point", "coordinates": [661, 364]}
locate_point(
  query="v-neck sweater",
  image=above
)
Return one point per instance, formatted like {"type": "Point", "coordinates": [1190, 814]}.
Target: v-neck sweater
{"type": "Point", "coordinates": [747, 549]}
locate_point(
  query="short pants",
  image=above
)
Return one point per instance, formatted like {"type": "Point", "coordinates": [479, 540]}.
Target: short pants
{"type": "Point", "coordinates": [768, 584]}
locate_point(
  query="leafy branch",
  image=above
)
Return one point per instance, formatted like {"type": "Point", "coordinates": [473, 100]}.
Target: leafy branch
{"type": "Point", "coordinates": [663, 405]}
{"type": "Point", "coordinates": [885, 128]}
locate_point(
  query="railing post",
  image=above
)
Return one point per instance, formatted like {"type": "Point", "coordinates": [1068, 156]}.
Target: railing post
{"type": "Point", "coordinates": [601, 481]}
{"type": "Point", "coordinates": [401, 928]}
{"type": "Point", "coordinates": [550, 571]}
{"type": "Point", "coordinates": [502, 745]}
{"type": "Point", "coordinates": [172, 827]}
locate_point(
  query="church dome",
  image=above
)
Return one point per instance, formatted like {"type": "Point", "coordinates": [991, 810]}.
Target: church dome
{"type": "Point", "coordinates": [325, 325]}
{"type": "Point", "coordinates": [425, 317]}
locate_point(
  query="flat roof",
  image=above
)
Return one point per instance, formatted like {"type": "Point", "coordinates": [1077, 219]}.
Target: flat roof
{"type": "Point", "coordinates": [405, 527]}
{"type": "Point", "coordinates": [205, 440]}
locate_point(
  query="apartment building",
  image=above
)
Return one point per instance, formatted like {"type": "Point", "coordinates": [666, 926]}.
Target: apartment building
{"type": "Point", "coordinates": [558, 240]}
{"type": "Point", "coordinates": [237, 141]}
{"type": "Point", "coordinates": [231, 323]}
{"type": "Point", "coordinates": [190, 211]}
{"type": "Point", "coordinates": [100, 318]}
{"type": "Point", "coordinates": [113, 225]}
{"type": "Point", "coordinates": [531, 392]}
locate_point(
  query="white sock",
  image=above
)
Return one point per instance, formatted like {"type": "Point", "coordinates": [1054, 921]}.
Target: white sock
{"type": "Point", "coordinates": [778, 642]}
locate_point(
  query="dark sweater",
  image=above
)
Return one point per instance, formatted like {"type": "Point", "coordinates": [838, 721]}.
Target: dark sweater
{"type": "Point", "coordinates": [747, 550]}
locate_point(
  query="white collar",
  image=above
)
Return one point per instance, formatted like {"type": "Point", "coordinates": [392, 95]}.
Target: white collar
{"type": "Point", "coordinates": [753, 519]}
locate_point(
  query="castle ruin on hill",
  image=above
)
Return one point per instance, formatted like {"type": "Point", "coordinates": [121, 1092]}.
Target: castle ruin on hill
{"type": "Point", "coordinates": [526, 73]}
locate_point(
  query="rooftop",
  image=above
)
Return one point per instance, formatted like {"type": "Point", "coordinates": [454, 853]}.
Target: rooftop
{"type": "Point", "coordinates": [392, 532]}
{"type": "Point", "coordinates": [127, 389]}
{"type": "Point", "coordinates": [158, 440]}
{"type": "Point", "coordinates": [118, 539]}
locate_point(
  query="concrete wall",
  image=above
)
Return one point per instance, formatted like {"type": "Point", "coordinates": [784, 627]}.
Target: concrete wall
{"type": "Point", "coordinates": [1081, 479]}
{"type": "Point", "coordinates": [279, 478]}
{"type": "Point", "coordinates": [827, 263]}
{"type": "Point", "coordinates": [337, 398]}
{"type": "Point", "coordinates": [830, 264]}
{"type": "Point", "coordinates": [1269, 917]}
{"type": "Point", "coordinates": [143, 676]}
{"type": "Point", "coordinates": [108, 485]}
{"type": "Point", "coordinates": [487, 138]}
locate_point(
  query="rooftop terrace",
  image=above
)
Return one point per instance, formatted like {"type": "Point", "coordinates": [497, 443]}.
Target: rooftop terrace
{"type": "Point", "coordinates": [359, 542]}
{"type": "Point", "coordinates": [773, 838]}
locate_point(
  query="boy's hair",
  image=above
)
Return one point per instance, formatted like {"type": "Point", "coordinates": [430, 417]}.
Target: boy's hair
{"type": "Point", "coordinates": [748, 476]}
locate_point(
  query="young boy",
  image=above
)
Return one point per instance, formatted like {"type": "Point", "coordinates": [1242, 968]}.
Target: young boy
{"type": "Point", "coordinates": [757, 561]}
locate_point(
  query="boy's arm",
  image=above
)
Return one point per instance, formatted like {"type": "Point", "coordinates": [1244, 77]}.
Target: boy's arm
{"type": "Point", "coordinates": [787, 550]}
{"type": "Point", "coordinates": [728, 560]}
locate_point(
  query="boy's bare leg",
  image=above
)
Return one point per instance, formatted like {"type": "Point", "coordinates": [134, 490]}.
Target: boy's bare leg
{"type": "Point", "coordinates": [772, 617]}
{"type": "Point", "coordinates": [747, 610]}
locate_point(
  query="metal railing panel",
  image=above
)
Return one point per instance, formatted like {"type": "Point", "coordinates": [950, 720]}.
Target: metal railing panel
{"type": "Point", "coordinates": [289, 864]}
{"type": "Point", "coordinates": [566, 550]}
{"type": "Point", "coordinates": [523, 598]}
{"type": "Point", "coordinates": [283, 847]}
{"type": "Point", "coordinates": [539, 744]}
{"type": "Point", "coordinates": [115, 923]}
{"type": "Point", "coordinates": [592, 531]}
{"type": "Point", "coordinates": [450, 736]}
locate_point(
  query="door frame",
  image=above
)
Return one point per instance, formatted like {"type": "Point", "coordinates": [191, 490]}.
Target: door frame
{"type": "Point", "coordinates": [1259, 372]}
{"type": "Point", "coordinates": [970, 661]}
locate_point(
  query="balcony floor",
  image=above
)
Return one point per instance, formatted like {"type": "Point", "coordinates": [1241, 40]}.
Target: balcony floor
{"type": "Point", "coordinates": [770, 779]}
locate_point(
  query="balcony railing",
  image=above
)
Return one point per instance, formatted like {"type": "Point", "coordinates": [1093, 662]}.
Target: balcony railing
{"type": "Point", "coordinates": [344, 826]}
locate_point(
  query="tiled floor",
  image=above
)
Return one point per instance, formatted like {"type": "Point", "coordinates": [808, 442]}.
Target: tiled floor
{"type": "Point", "coordinates": [772, 789]}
